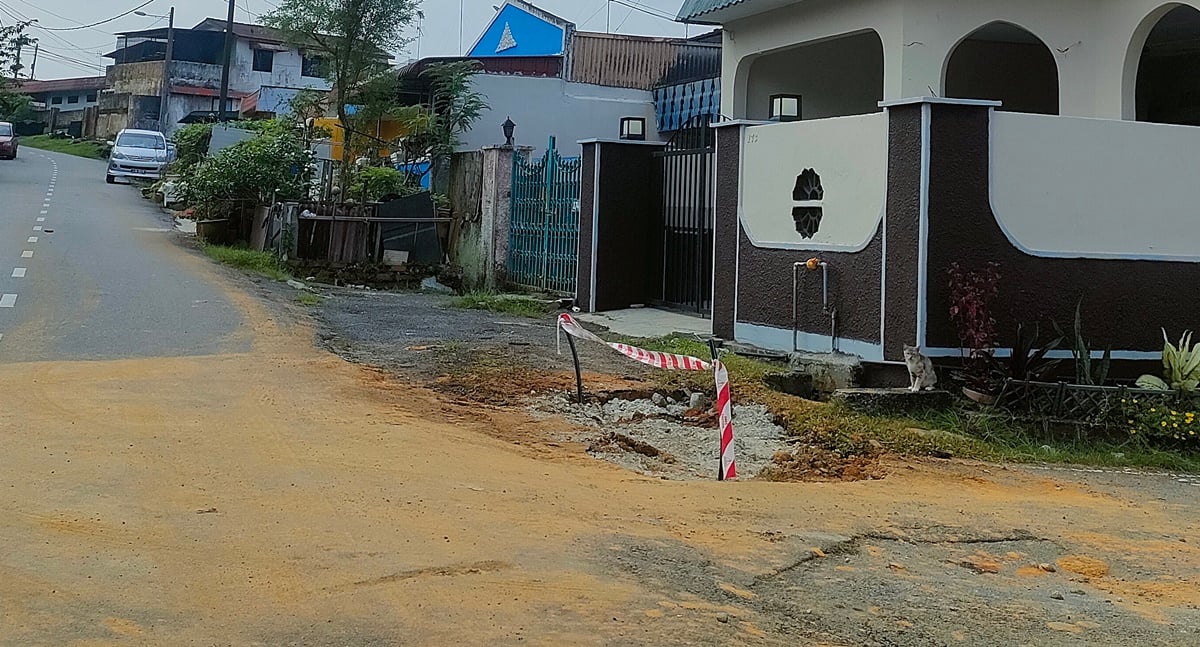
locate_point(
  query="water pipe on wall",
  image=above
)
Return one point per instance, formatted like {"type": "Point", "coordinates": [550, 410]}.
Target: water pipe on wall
{"type": "Point", "coordinates": [812, 265]}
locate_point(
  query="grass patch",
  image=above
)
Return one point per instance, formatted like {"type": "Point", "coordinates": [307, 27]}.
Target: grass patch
{"type": "Point", "coordinates": [963, 432]}
{"type": "Point", "coordinates": [509, 304]}
{"type": "Point", "coordinates": [249, 261]}
{"type": "Point", "coordinates": [308, 299]}
{"type": "Point", "coordinates": [80, 148]}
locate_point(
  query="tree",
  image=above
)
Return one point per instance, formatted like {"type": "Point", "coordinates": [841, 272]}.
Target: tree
{"type": "Point", "coordinates": [351, 38]}
{"type": "Point", "coordinates": [13, 106]}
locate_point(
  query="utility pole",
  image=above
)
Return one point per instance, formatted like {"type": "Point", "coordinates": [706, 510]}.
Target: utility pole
{"type": "Point", "coordinates": [33, 67]}
{"type": "Point", "coordinates": [461, 17]}
{"type": "Point", "coordinates": [608, 19]}
{"type": "Point", "coordinates": [228, 60]}
{"type": "Point", "coordinates": [165, 95]}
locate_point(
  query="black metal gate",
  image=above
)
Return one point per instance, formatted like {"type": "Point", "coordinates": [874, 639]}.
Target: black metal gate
{"type": "Point", "coordinates": [686, 172]}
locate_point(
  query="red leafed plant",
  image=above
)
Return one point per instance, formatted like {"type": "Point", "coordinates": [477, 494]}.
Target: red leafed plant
{"type": "Point", "coordinates": [971, 295]}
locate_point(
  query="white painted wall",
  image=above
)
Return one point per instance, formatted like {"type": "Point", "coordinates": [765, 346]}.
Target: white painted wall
{"type": "Point", "coordinates": [835, 78]}
{"type": "Point", "coordinates": [285, 71]}
{"type": "Point", "coordinates": [1092, 188]}
{"type": "Point", "coordinates": [850, 155]}
{"type": "Point", "coordinates": [543, 107]}
{"type": "Point", "coordinates": [1096, 43]}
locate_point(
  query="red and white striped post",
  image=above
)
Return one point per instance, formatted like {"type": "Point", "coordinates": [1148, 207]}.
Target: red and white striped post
{"type": "Point", "coordinates": [727, 468]}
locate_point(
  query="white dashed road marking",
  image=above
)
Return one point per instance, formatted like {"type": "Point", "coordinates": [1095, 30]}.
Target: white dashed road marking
{"type": "Point", "coordinates": [8, 301]}
{"type": "Point", "coordinates": [41, 220]}
{"type": "Point", "coordinates": [32, 239]}
{"type": "Point", "coordinates": [27, 254]}
{"type": "Point", "coordinates": [18, 273]}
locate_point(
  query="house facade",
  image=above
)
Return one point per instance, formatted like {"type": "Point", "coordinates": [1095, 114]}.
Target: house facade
{"type": "Point", "coordinates": [553, 80]}
{"type": "Point", "coordinates": [886, 140]}
{"type": "Point", "coordinates": [261, 59]}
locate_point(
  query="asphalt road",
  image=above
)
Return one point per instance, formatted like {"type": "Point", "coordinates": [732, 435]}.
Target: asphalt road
{"type": "Point", "coordinates": [92, 271]}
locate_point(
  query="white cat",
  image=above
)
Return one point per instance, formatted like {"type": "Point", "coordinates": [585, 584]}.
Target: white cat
{"type": "Point", "coordinates": [920, 370]}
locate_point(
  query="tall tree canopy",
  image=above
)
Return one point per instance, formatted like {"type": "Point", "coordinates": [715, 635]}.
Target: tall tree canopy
{"type": "Point", "coordinates": [352, 39]}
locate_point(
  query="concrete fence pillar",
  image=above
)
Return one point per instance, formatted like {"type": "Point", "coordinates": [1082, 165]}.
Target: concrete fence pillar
{"type": "Point", "coordinates": [496, 203]}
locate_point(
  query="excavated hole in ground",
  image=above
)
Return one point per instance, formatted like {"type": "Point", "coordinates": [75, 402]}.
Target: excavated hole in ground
{"type": "Point", "coordinates": [662, 434]}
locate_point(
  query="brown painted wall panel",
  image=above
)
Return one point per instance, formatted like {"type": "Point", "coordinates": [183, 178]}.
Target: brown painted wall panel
{"type": "Point", "coordinates": [728, 230]}
{"type": "Point", "coordinates": [765, 290]}
{"type": "Point", "coordinates": [1125, 302]}
{"type": "Point", "coordinates": [903, 229]}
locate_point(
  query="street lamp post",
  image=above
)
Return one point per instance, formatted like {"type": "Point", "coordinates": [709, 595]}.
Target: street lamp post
{"type": "Point", "coordinates": [164, 93]}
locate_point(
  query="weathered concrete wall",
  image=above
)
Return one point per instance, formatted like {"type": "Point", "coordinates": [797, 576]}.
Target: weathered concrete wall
{"type": "Point", "coordinates": [543, 107]}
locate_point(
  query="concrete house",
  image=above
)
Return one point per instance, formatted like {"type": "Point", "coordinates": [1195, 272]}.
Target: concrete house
{"type": "Point", "coordinates": [552, 79]}
{"type": "Point", "coordinates": [64, 101]}
{"type": "Point", "coordinates": [261, 59]}
{"type": "Point", "coordinates": [888, 139]}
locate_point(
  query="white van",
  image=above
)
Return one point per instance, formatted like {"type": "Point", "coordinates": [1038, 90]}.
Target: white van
{"type": "Point", "coordinates": [137, 154]}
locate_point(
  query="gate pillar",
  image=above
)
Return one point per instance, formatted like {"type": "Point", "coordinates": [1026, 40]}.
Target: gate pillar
{"type": "Point", "coordinates": [619, 228]}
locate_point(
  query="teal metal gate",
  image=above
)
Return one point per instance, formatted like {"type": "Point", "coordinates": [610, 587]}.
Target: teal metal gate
{"type": "Point", "coordinates": [543, 247]}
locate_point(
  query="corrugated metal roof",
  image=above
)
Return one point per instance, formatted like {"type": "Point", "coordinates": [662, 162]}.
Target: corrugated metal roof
{"type": "Point", "coordinates": [693, 9]}
{"type": "Point", "coordinates": [63, 85]}
{"type": "Point", "coordinates": [639, 62]}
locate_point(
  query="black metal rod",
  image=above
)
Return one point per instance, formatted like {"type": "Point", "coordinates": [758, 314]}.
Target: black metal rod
{"type": "Point", "coordinates": [578, 372]}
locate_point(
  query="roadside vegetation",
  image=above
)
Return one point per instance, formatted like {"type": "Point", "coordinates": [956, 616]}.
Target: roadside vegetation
{"type": "Point", "coordinates": [964, 431]}
{"type": "Point", "coordinates": [511, 304]}
{"type": "Point", "coordinates": [249, 261]}
{"type": "Point", "coordinates": [308, 299]}
{"type": "Point", "coordinates": [77, 147]}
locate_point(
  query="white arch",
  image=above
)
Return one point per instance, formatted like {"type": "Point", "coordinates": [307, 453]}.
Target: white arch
{"type": "Point", "coordinates": [1133, 56]}
{"type": "Point", "coordinates": [1041, 41]}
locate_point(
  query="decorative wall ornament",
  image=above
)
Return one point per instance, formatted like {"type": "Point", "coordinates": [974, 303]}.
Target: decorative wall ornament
{"type": "Point", "coordinates": [809, 199]}
{"type": "Point", "coordinates": [507, 41]}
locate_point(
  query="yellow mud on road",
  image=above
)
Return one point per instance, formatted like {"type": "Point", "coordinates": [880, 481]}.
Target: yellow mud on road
{"type": "Point", "coordinates": [283, 496]}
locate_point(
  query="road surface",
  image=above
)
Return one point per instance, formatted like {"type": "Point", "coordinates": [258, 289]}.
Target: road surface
{"type": "Point", "coordinates": [89, 271]}
{"type": "Point", "coordinates": [180, 466]}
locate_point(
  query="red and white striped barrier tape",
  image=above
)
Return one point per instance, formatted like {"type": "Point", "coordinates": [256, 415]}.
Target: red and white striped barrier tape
{"type": "Point", "coordinates": [672, 362]}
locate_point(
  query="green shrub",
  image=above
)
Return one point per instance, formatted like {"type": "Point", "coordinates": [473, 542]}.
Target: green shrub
{"type": "Point", "coordinates": [379, 182]}
{"type": "Point", "coordinates": [191, 146]}
{"type": "Point", "coordinates": [256, 170]}
{"type": "Point", "coordinates": [1162, 425]}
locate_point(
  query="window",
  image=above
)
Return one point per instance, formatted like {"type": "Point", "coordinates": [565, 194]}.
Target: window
{"type": "Point", "coordinates": [264, 60]}
{"type": "Point", "coordinates": [142, 140]}
{"type": "Point", "coordinates": [91, 98]}
{"type": "Point", "coordinates": [56, 101]}
{"type": "Point", "coordinates": [6, 130]}
{"type": "Point", "coordinates": [74, 98]}
{"type": "Point", "coordinates": [310, 66]}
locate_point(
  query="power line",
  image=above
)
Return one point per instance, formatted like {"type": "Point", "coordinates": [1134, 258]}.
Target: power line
{"type": "Point", "coordinates": [646, 9]}
{"type": "Point", "coordinates": [101, 22]}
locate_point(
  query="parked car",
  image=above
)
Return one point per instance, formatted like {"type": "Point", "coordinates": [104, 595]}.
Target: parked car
{"type": "Point", "coordinates": [8, 141]}
{"type": "Point", "coordinates": [137, 154]}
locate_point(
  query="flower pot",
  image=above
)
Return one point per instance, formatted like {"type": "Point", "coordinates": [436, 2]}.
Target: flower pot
{"type": "Point", "coordinates": [976, 396]}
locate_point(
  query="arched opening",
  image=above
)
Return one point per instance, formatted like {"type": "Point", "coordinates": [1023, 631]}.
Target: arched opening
{"type": "Point", "coordinates": [1168, 76]}
{"type": "Point", "coordinates": [834, 77]}
{"type": "Point", "coordinates": [1004, 62]}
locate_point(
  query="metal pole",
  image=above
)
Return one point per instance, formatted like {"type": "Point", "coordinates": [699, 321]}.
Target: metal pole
{"type": "Point", "coordinates": [165, 93]}
{"type": "Point", "coordinates": [461, 17]}
{"type": "Point", "coordinates": [578, 372]}
{"type": "Point", "coordinates": [608, 19]}
{"type": "Point", "coordinates": [228, 60]}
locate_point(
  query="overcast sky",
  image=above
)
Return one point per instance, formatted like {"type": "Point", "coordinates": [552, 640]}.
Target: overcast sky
{"type": "Point", "coordinates": [78, 52]}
